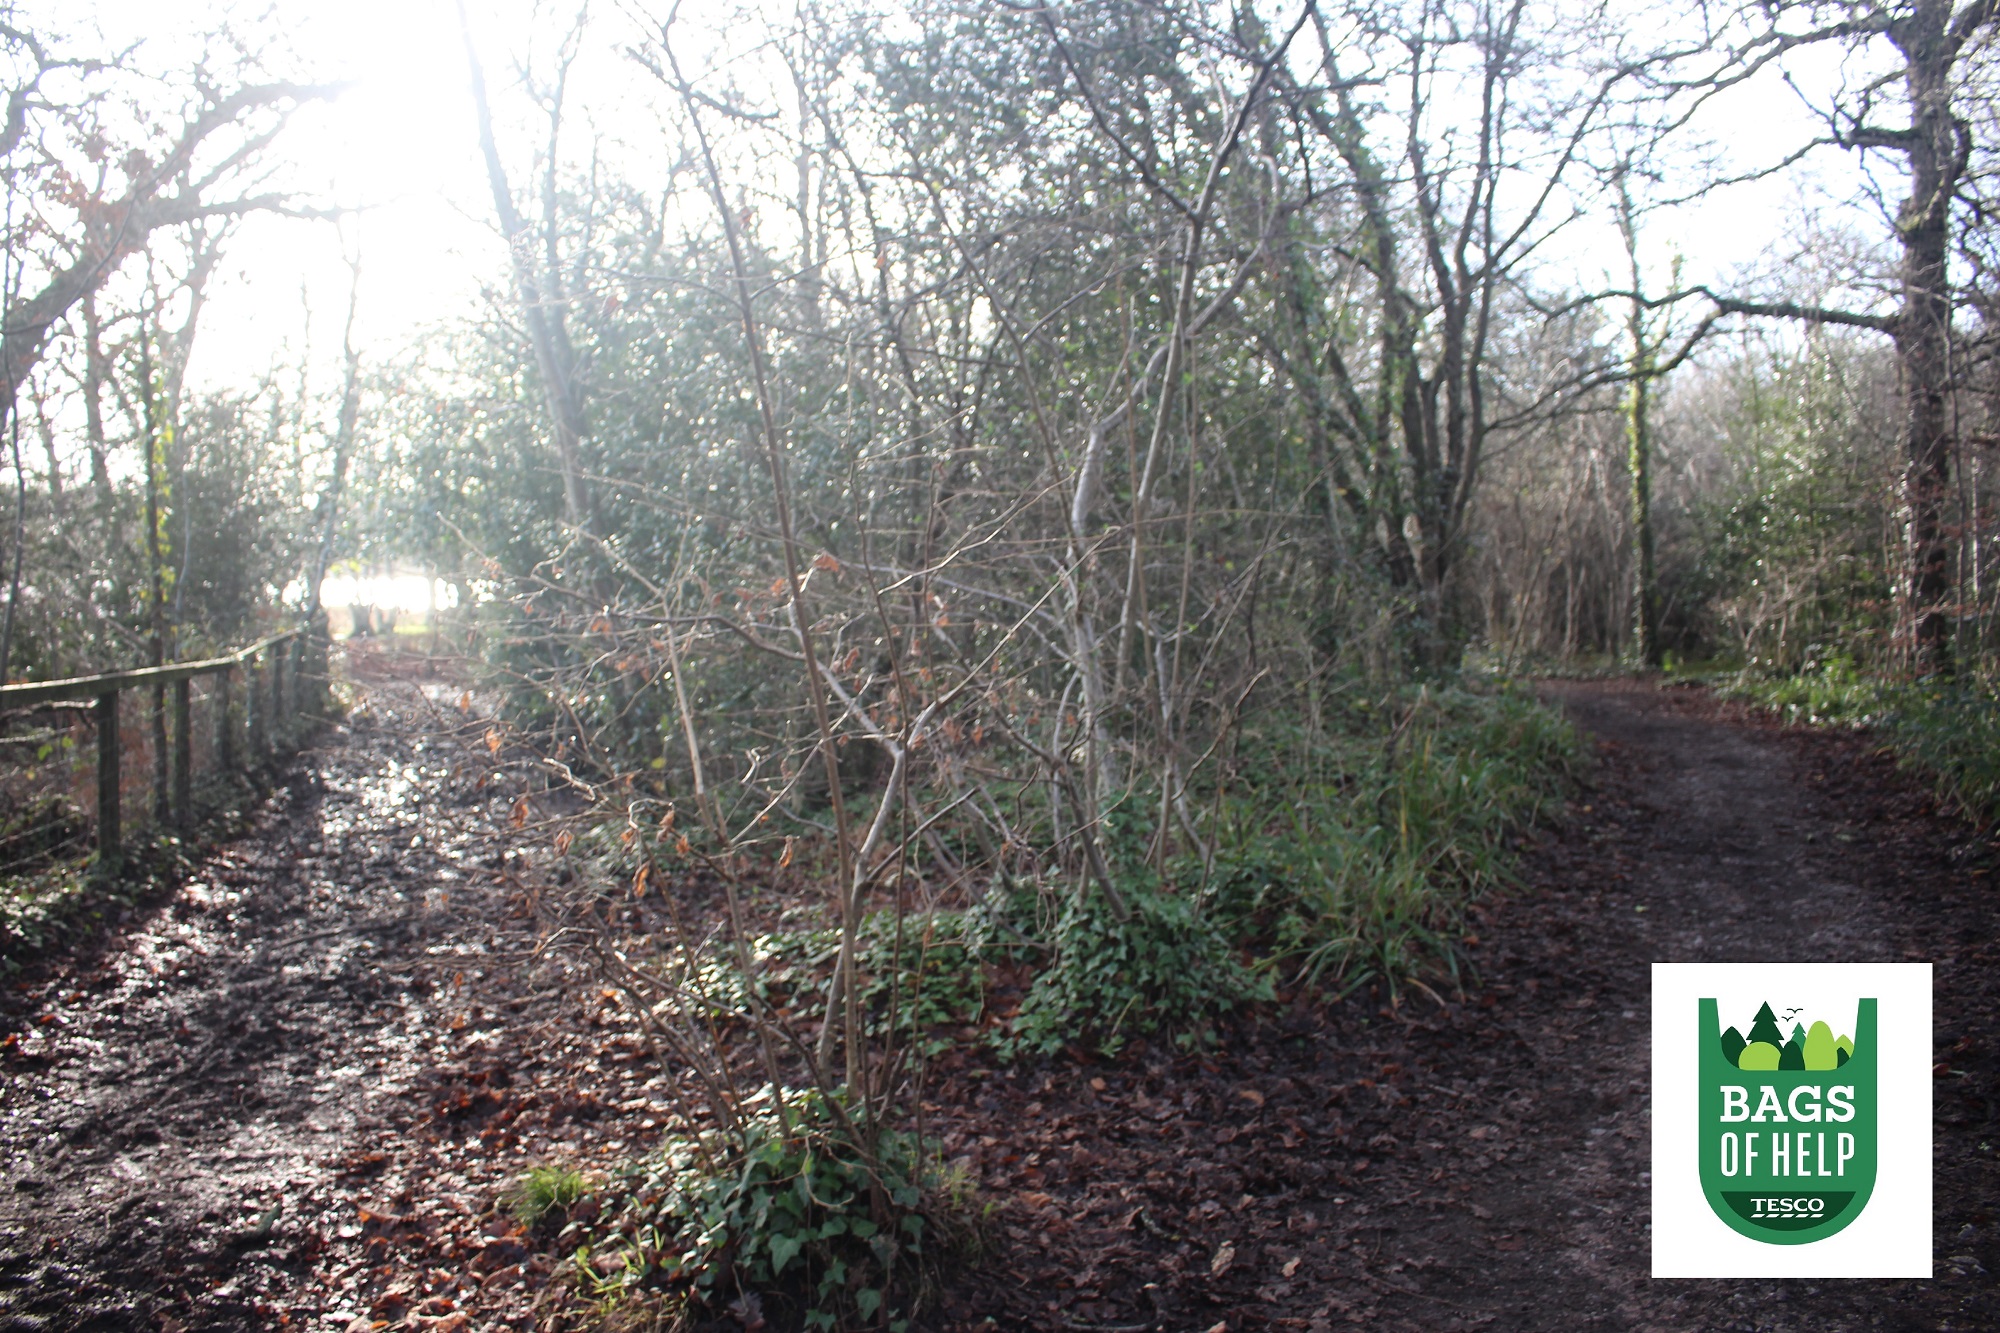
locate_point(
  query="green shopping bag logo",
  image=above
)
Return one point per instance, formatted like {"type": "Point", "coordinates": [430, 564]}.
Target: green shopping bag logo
{"type": "Point", "coordinates": [1788, 1122]}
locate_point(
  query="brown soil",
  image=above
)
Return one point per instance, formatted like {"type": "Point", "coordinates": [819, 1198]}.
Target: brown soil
{"type": "Point", "coordinates": [1484, 1164]}
{"type": "Point", "coordinates": [343, 1018]}
{"type": "Point", "coordinates": [193, 1106]}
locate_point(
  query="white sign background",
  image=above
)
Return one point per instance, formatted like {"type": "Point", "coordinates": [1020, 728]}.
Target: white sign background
{"type": "Point", "coordinates": [1892, 1236]}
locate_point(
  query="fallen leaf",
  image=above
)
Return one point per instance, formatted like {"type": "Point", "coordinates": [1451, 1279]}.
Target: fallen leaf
{"type": "Point", "coordinates": [1251, 1095]}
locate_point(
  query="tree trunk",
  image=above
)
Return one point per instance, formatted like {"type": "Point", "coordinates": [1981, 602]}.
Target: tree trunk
{"type": "Point", "coordinates": [1639, 443]}
{"type": "Point", "coordinates": [1639, 463]}
{"type": "Point", "coordinates": [555, 358]}
{"type": "Point", "coordinates": [1936, 157]}
{"type": "Point", "coordinates": [95, 370]}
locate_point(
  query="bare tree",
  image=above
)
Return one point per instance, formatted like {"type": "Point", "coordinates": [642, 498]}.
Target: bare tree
{"type": "Point", "coordinates": [1440, 217]}
{"type": "Point", "coordinates": [538, 280]}
{"type": "Point", "coordinates": [208, 166]}
{"type": "Point", "coordinates": [1930, 44]}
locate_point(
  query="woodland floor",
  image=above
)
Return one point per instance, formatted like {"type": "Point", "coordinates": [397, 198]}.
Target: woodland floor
{"type": "Point", "coordinates": [290, 1093]}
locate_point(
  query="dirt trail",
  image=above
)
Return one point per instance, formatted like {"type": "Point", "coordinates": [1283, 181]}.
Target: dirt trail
{"type": "Point", "coordinates": [1731, 854]}
{"type": "Point", "coordinates": [1712, 835]}
{"type": "Point", "coordinates": [340, 1020]}
{"type": "Point", "coordinates": [178, 1105]}
{"type": "Point", "coordinates": [1484, 1165]}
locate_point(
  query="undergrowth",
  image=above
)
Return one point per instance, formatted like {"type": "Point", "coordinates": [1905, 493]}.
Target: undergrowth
{"type": "Point", "coordinates": [1167, 967]}
{"type": "Point", "coordinates": [1340, 855]}
{"type": "Point", "coordinates": [545, 1192]}
{"type": "Point", "coordinates": [53, 906]}
{"type": "Point", "coordinates": [1948, 730]}
{"type": "Point", "coordinates": [917, 974]}
{"type": "Point", "coordinates": [1356, 860]}
{"type": "Point", "coordinates": [1343, 855]}
{"type": "Point", "coordinates": [1333, 855]}
{"type": "Point", "coordinates": [799, 1219]}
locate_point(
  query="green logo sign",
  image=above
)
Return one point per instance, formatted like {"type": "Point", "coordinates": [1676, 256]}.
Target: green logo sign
{"type": "Point", "coordinates": [1788, 1117]}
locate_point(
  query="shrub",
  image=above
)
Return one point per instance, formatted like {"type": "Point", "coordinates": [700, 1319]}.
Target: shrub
{"type": "Point", "coordinates": [824, 1223]}
{"type": "Point", "coordinates": [1358, 864]}
{"type": "Point", "coordinates": [924, 968]}
{"type": "Point", "coordinates": [1165, 968]}
{"type": "Point", "coordinates": [1949, 730]}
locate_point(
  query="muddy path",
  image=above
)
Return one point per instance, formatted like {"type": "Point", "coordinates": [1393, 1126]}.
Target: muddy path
{"type": "Point", "coordinates": [184, 1107]}
{"type": "Point", "coordinates": [294, 1094]}
{"type": "Point", "coordinates": [1484, 1164]}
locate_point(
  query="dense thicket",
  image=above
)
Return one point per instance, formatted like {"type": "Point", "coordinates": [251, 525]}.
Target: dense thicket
{"type": "Point", "coordinates": [1132, 354]}
{"type": "Point", "coordinates": [1083, 469]}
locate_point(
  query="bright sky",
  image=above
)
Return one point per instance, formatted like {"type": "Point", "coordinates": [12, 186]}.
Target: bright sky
{"type": "Point", "coordinates": [401, 146]}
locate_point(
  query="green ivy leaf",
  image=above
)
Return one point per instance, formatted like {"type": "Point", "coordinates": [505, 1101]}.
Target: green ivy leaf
{"type": "Point", "coordinates": [785, 1247]}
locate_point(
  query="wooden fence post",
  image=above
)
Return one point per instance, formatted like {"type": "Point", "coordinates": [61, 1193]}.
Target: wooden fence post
{"type": "Point", "coordinates": [109, 851]}
{"type": "Point", "coordinates": [319, 665]}
{"type": "Point", "coordinates": [257, 701]}
{"type": "Point", "coordinates": [277, 657]}
{"type": "Point", "coordinates": [225, 739]}
{"type": "Point", "coordinates": [183, 754]}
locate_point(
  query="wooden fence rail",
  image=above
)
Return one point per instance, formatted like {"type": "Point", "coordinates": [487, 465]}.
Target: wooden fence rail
{"type": "Point", "coordinates": [271, 702]}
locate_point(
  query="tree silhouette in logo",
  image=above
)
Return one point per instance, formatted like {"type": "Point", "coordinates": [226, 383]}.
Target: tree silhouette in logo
{"type": "Point", "coordinates": [1768, 1048]}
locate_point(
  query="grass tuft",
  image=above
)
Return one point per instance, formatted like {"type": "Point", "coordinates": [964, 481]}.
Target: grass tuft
{"type": "Point", "coordinates": [546, 1192]}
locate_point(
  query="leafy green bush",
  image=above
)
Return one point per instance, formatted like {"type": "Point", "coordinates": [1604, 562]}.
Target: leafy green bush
{"type": "Point", "coordinates": [923, 969]}
{"type": "Point", "coordinates": [823, 1226]}
{"type": "Point", "coordinates": [931, 977]}
{"type": "Point", "coordinates": [1166, 968]}
{"type": "Point", "coordinates": [1341, 857]}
